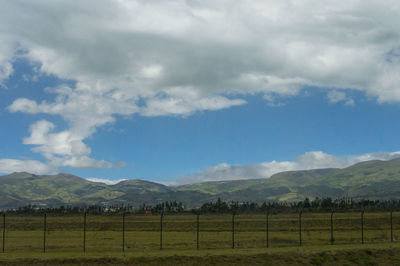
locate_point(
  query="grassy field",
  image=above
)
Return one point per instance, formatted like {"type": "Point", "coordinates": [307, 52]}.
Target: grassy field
{"type": "Point", "coordinates": [353, 254]}
{"type": "Point", "coordinates": [24, 236]}
{"type": "Point", "coordinates": [104, 233]}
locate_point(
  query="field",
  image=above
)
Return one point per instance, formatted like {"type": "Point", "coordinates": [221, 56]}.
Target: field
{"type": "Point", "coordinates": [142, 237]}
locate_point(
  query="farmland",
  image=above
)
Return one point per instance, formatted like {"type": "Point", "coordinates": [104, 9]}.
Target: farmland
{"type": "Point", "coordinates": [139, 237]}
{"type": "Point", "coordinates": [104, 233]}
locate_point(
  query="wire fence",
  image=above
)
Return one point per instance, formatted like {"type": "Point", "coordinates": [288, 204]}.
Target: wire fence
{"type": "Point", "coordinates": [132, 232]}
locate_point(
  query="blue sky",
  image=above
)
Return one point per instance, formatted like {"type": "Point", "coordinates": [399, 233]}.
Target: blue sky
{"type": "Point", "coordinates": [191, 92]}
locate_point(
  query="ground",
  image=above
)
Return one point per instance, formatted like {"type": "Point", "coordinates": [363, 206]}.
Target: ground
{"type": "Point", "coordinates": [367, 254]}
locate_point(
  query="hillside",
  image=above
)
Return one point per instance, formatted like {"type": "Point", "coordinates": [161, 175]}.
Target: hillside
{"type": "Point", "coordinates": [24, 188]}
{"type": "Point", "coordinates": [281, 186]}
{"type": "Point", "coordinates": [371, 179]}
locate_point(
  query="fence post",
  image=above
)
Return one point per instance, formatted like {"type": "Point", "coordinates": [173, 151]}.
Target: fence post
{"type": "Point", "coordinates": [362, 227]}
{"type": "Point", "coordinates": [44, 232]}
{"type": "Point", "coordinates": [332, 238]}
{"type": "Point", "coordinates": [267, 230]}
{"type": "Point", "coordinates": [300, 213]}
{"type": "Point", "coordinates": [391, 226]}
{"type": "Point", "coordinates": [123, 232]}
{"type": "Point", "coordinates": [4, 232]}
{"type": "Point", "coordinates": [233, 230]}
{"type": "Point", "coordinates": [161, 230]}
{"type": "Point", "coordinates": [84, 232]}
{"type": "Point", "coordinates": [198, 229]}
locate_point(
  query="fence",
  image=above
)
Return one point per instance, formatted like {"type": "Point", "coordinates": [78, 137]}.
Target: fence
{"type": "Point", "coordinates": [128, 232]}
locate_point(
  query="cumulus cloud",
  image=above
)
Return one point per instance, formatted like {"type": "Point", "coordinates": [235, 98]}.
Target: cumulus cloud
{"type": "Point", "coordinates": [306, 161]}
{"type": "Point", "coordinates": [64, 148]}
{"type": "Point", "coordinates": [141, 48]}
{"type": "Point", "coordinates": [157, 58]}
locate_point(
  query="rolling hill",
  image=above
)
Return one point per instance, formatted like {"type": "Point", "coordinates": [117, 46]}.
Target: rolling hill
{"type": "Point", "coordinates": [23, 188]}
{"type": "Point", "coordinates": [370, 179]}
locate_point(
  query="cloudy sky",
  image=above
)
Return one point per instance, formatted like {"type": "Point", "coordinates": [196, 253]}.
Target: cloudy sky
{"type": "Point", "coordinates": [187, 91]}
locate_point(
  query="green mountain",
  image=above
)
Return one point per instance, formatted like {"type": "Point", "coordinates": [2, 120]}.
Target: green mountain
{"type": "Point", "coordinates": [371, 179]}
{"type": "Point", "coordinates": [138, 186]}
{"type": "Point", "coordinates": [281, 186]}
{"type": "Point", "coordinates": [23, 188]}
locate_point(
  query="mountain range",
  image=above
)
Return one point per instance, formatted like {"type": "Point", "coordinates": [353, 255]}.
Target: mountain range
{"type": "Point", "coordinates": [367, 180]}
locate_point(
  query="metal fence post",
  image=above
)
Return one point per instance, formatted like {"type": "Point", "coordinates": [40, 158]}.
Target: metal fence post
{"type": "Point", "coordinates": [84, 232]}
{"type": "Point", "coordinates": [332, 238]}
{"type": "Point", "coordinates": [362, 227]}
{"type": "Point", "coordinates": [4, 232]}
{"type": "Point", "coordinates": [300, 213]}
{"type": "Point", "coordinates": [233, 230]}
{"type": "Point", "coordinates": [267, 230]}
{"type": "Point", "coordinates": [123, 232]}
{"type": "Point", "coordinates": [44, 232]}
{"type": "Point", "coordinates": [161, 230]}
{"type": "Point", "coordinates": [198, 229]}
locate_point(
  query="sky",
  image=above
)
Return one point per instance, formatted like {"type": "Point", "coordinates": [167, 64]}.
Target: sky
{"type": "Point", "coordinates": [181, 91]}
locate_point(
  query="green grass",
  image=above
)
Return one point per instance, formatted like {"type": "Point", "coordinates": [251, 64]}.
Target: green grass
{"type": "Point", "coordinates": [179, 231]}
{"type": "Point", "coordinates": [64, 239]}
{"type": "Point", "coordinates": [368, 254]}
{"type": "Point", "coordinates": [104, 233]}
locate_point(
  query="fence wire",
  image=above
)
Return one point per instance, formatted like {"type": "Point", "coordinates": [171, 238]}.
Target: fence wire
{"type": "Point", "coordinates": [129, 232]}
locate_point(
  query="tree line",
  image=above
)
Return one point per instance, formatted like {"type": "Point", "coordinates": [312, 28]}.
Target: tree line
{"type": "Point", "coordinates": [307, 205]}
{"type": "Point", "coordinates": [220, 206]}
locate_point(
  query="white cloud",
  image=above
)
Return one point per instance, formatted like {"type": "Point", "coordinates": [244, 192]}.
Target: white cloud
{"type": "Point", "coordinates": [349, 102]}
{"type": "Point", "coordinates": [83, 162]}
{"type": "Point", "coordinates": [141, 48]}
{"type": "Point", "coordinates": [35, 167]}
{"type": "Point", "coordinates": [336, 96]}
{"type": "Point", "coordinates": [106, 181]}
{"type": "Point", "coordinates": [6, 69]}
{"type": "Point", "coordinates": [7, 51]}
{"type": "Point", "coordinates": [340, 96]}
{"type": "Point", "coordinates": [51, 144]}
{"type": "Point", "coordinates": [152, 71]}
{"type": "Point", "coordinates": [64, 148]}
{"type": "Point", "coordinates": [39, 132]}
{"type": "Point", "coordinates": [306, 161]}
{"type": "Point", "coordinates": [177, 57]}
{"type": "Point", "coordinates": [185, 101]}
{"type": "Point", "coordinates": [84, 114]}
